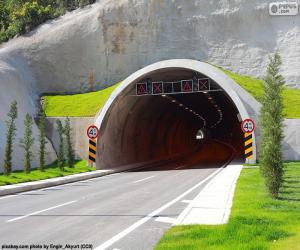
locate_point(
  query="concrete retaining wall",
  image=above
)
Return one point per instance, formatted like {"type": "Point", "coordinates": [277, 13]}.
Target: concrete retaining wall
{"type": "Point", "coordinates": [80, 139]}
{"type": "Point", "coordinates": [291, 145]}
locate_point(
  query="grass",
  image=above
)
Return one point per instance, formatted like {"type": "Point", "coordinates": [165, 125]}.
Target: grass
{"type": "Point", "coordinates": [291, 97]}
{"type": "Point", "coordinates": [257, 222]}
{"type": "Point", "coordinates": [81, 105]}
{"type": "Point", "coordinates": [77, 105]}
{"type": "Point", "coordinates": [252, 85]}
{"type": "Point", "coordinates": [50, 172]}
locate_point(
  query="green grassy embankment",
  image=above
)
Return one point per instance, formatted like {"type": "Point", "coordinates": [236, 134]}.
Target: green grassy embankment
{"type": "Point", "coordinates": [78, 105]}
{"type": "Point", "coordinates": [51, 171]}
{"type": "Point", "coordinates": [257, 222]}
{"type": "Point", "coordinates": [88, 104]}
{"type": "Point", "coordinates": [291, 97]}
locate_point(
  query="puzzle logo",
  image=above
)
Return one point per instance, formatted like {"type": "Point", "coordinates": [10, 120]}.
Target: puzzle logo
{"type": "Point", "coordinates": [283, 8]}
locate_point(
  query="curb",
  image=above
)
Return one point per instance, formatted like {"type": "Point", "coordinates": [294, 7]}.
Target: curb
{"type": "Point", "coordinates": [34, 185]}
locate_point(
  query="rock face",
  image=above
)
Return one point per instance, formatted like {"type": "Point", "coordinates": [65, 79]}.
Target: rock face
{"type": "Point", "coordinates": [114, 38]}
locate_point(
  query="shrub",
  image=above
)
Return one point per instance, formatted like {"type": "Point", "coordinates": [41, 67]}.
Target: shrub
{"type": "Point", "coordinates": [271, 164]}
{"type": "Point", "coordinates": [27, 142]}
{"type": "Point", "coordinates": [10, 135]}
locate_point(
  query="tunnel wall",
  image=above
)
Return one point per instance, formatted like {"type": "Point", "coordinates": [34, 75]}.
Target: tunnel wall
{"type": "Point", "coordinates": [228, 85]}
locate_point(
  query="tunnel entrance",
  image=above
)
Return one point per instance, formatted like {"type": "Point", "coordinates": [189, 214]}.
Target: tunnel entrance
{"type": "Point", "coordinates": [163, 127]}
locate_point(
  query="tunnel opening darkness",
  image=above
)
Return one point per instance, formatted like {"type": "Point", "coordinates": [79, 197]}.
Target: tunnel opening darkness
{"type": "Point", "coordinates": [155, 128]}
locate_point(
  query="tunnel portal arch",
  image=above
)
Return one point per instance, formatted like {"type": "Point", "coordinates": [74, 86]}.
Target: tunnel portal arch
{"type": "Point", "coordinates": [211, 72]}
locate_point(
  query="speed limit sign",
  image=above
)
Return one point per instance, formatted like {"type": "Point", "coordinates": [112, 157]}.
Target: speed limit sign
{"type": "Point", "coordinates": [92, 132]}
{"type": "Point", "coordinates": [248, 126]}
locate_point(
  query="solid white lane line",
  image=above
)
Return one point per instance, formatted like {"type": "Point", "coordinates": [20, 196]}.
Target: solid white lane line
{"type": "Point", "coordinates": [186, 201]}
{"type": "Point", "coordinates": [41, 211]}
{"type": "Point", "coordinates": [142, 221]}
{"type": "Point", "coordinates": [166, 220]}
{"type": "Point", "coordinates": [144, 179]}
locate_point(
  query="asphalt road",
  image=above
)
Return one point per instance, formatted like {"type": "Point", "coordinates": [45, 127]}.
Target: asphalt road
{"type": "Point", "coordinates": [125, 211]}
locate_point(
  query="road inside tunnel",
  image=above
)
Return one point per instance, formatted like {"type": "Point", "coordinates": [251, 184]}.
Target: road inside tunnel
{"type": "Point", "coordinates": [158, 128]}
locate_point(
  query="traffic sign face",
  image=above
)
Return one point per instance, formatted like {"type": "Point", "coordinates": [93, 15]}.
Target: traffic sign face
{"type": "Point", "coordinates": [248, 126]}
{"type": "Point", "coordinates": [92, 132]}
{"type": "Point", "coordinates": [157, 88]}
{"type": "Point", "coordinates": [187, 85]}
{"type": "Point", "coordinates": [141, 89]}
{"type": "Point", "coordinates": [203, 84]}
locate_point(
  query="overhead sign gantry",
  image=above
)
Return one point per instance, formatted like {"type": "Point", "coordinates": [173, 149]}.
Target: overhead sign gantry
{"type": "Point", "coordinates": [178, 87]}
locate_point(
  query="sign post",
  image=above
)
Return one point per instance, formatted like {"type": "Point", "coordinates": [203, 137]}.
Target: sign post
{"type": "Point", "coordinates": [248, 126]}
{"type": "Point", "coordinates": [92, 133]}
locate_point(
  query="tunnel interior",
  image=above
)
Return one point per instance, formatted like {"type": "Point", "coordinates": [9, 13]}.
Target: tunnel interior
{"type": "Point", "coordinates": [154, 128]}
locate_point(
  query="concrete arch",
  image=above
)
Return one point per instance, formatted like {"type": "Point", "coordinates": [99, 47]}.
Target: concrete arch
{"type": "Point", "coordinates": [226, 83]}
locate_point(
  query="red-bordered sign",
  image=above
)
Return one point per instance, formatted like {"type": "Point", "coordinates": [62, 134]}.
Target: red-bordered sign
{"type": "Point", "coordinates": [248, 125]}
{"type": "Point", "coordinates": [92, 132]}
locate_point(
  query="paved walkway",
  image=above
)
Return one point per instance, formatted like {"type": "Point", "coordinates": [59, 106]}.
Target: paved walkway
{"type": "Point", "coordinates": [213, 204]}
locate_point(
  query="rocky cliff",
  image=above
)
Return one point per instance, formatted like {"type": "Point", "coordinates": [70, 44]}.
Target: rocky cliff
{"type": "Point", "coordinates": [114, 38]}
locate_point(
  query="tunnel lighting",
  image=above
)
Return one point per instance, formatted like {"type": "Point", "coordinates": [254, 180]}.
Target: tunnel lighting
{"type": "Point", "coordinates": [173, 100]}
{"type": "Point", "coordinates": [163, 95]}
{"type": "Point", "coordinates": [180, 105]}
{"type": "Point", "coordinates": [186, 108]}
{"type": "Point", "coordinates": [199, 135]}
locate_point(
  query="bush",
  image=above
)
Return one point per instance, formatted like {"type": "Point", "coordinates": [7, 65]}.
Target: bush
{"type": "Point", "coordinates": [20, 16]}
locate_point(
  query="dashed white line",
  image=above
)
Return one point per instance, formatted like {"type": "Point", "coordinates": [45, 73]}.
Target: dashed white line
{"type": "Point", "coordinates": [142, 221]}
{"type": "Point", "coordinates": [41, 211]}
{"type": "Point", "coordinates": [144, 179]}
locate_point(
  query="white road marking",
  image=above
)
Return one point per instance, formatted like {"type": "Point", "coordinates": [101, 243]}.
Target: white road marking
{"type": "Point", "coordinates": [41, 211]}
{"type": "Point", "coordinates": [144, 179]}
{"type": "Point", "coordinates": [8, 196]}
{"type": "Point", "coordinates": [56, 186]}
{"type": "Point", "coordinates": [142, 221]}
{"type": "Point", "coordinates": [166, 219]}
{"type": "Point", "coordinates": [186, 201]}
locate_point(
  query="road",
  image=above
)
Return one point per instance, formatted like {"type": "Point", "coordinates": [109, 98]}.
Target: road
{"type": "Point", "coordinates": [126, 211]}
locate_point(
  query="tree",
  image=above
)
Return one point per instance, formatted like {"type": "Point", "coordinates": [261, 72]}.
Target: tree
{"type": "Point", "coordinates": [271, 163]}
{"type": "Point", "coordinates": [27, 142]}
{"type": "Point", "coordinates": [42, 139]}
{"type": "Point", "coordinates": [60, 156]}
{"type": "Point", "coordinates": [70, 152]}
{"type": "Point", "coordinates": [20, 16]}
{"type": "Point", "coordinates": [10, 135]}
